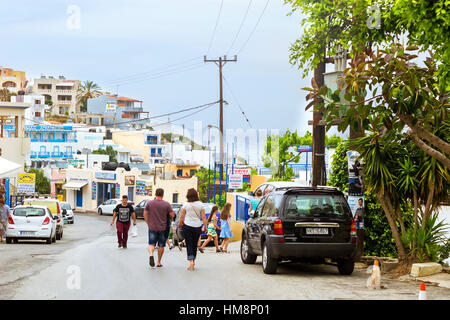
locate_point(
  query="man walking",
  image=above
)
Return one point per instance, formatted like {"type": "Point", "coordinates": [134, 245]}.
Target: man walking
{"type": "Point", "coordinates": [123, 212]}
{"type": "Point", "coordinates": [156, 213]}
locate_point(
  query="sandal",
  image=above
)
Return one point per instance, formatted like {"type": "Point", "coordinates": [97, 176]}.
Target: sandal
{"type": "Point", "coordinates": [201, 250]}
{"type": "Point", "coordinates": [191, 267]}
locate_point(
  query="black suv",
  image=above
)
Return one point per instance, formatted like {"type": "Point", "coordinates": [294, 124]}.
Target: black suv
{"type": "Point", "coordinates": [301, 224]}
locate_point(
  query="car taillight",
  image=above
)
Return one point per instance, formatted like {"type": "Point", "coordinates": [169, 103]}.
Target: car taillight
{"type": "Point", "coordinates": [10, 220]}
{"type": "Point", "coordinates": [278, 227]}
{"type": "Point", "coordinates": [46, 220]}
{"type": "Point", "coordinates": [353, 229]}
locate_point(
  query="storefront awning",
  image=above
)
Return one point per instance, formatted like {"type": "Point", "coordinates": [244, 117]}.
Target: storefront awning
{"type": "Point", "coordinates": [74, 185]}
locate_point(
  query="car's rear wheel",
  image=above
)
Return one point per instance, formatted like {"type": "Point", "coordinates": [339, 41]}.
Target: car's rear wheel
{"type": "Point", "coordinates": [100, 212]}
{"type": "Point", "coordinates": [8, 240]}
{"type": "Point", "coordinates": [58, 236]}
{"type": "Point", "coordinates": [269, 264]}
{"type": "Point", "coordinates": [15, 240]}
{"type": "Point", "coordinates": [246, 256]}
{"type": "Point", "coordinates": [345, 266]}
{"type": "Point", "coordinates": [49, 240]}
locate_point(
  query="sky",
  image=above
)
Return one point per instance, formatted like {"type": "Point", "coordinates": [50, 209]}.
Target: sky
{"type": "Point", "coordinates": [118, 39]}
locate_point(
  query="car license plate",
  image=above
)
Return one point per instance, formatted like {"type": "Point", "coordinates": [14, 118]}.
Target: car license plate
{"type": "Point", "coordinates": [316, 231]}
{"type": "Point", "coordinates": [27, 233]}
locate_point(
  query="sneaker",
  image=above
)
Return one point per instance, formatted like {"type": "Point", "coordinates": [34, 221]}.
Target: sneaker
{"type": "Point", "coordinates": [171, 247]}
{"type": "Point", "coordinates": [120, 245]}
{"type": "Point", "coordinates": [124, 246]}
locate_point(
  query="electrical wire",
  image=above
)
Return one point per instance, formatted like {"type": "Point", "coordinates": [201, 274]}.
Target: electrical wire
{"type": "Point", "coordinates": [254, 29]}
{"type": "Point", "coordinates": [202, 107]}
{"type": "Point", "coordinates": [163, 74]}
{"type": "Point", "coordinates": [240, 27]}
{"type": "Point", "coordinates": [150, 72]}
{"type": "Point", "coordinates": [237, 101]}
{"type": "Point", "coordinates": [215, 28]}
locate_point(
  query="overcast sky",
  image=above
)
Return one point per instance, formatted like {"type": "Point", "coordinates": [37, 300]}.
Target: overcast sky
{"type": "Point", "coordinates": [118, 39]}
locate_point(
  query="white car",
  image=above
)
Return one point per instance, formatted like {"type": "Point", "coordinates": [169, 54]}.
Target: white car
{"type": "Point", "coordinates": [31, 223]}
{"type": "Point", "coordinates": [69, 212]}
{"type": "Point", "coordinates": [108, 206]}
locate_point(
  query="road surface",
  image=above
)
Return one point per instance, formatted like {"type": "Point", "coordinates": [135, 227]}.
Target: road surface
{"type": "Point", "coordinates": [87, 264]}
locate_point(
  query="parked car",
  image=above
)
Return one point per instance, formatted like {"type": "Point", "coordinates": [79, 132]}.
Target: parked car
{"type": "Point", "coordinates": [67, 212]}
{"type": "Point", "coordinates": [108, 206]}
{"type": "Point", "coordinates": [55, 208]}
{"type": "Point", "coordinates": [268, 187]}
{"type": "Point", "coordinates": [139, 209]}
{"type": "Point", "coordinates": [31, 223]}
{"type": "Point", "coordinates": [300, 224]}
{"type": "Point", "coordinates": [208, 207]}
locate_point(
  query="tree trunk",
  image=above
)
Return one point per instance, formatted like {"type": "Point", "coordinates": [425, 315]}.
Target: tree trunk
{"type": "Point", "coordinates": [426, 135]}
{"type": "Point", "coordinates": [428, 150]}
{"type": "Point", "coordinates": [416, 219]}
{"type": "Point", "coordinates": [428, 206]}
{"type": "Point", "coordinates": [398, 243]}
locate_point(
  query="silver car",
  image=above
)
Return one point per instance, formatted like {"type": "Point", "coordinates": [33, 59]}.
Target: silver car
{"type": "Point", "coordinates": [31, 223]}
{"type": "Point", "coordinates": [67, 212]}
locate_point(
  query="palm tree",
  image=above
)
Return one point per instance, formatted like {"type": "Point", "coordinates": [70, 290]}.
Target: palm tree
{"type": "Point", "coordinates": [87, 90]}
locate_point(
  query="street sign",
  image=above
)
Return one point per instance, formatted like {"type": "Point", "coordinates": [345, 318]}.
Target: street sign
{"type": "Point", "coordinates": [242, 171]}
{"type": "Point", "coordinates": [26, 183]}
{"type": "Point", "coordinates": [235, 181]}
{"type": "Point", "coordinates": [304, 148]}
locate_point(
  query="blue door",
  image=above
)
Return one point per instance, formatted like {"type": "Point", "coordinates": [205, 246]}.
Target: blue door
{"type": "Point", "coordinates": [131, 193]}
{"type": "Point", "coordinates": [79, 198]}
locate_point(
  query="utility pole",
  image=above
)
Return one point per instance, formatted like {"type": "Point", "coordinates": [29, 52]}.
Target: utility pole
{"type": "Point", "coordinates": [220, 63]}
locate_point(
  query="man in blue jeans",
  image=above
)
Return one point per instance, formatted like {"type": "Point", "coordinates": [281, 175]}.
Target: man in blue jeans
{"type": "Point", "coordinates": [156, 213]}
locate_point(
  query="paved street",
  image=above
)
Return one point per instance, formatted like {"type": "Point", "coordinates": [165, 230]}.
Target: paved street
{"type": "Point", "coordinates": [40, 271]}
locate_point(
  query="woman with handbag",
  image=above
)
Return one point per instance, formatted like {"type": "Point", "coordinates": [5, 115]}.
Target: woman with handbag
{"type": "Point", "coordinates": [191, 218]}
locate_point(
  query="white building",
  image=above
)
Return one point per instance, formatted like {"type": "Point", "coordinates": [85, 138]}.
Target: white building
{"type": "Point", "coordinates": [35, 114]}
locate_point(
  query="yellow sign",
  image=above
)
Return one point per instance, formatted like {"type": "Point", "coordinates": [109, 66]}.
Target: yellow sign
{"type": "Point", "coordinates": [27, 178]}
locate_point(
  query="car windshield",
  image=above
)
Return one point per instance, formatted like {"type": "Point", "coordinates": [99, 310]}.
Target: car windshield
{"type": "Point", "coordinates": [66, 206]}
{"type": "Point", "coordinates": [208, 208]}
{"type": "Point", "coordinates": [29, 212]}
{"type": "Point", "coordinates": [309, 205]}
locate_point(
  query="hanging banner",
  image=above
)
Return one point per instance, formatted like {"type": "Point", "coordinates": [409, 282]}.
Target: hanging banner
{"type": "Point", "coordinates": [355, 178]}
{"type": "Point", "coordinates": [94, 190]}
{"type": "Point", "coordinates": [26, 183]}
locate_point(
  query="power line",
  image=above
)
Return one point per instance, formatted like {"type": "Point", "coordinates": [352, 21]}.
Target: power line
{"type": "Point", "coordinates": [202, 107]}
{"type": "Point", "coordinates": [237, 101]}
{"type": "Point", "coordinates": [215, 28]}
{"type": "Point", "coordinates": [254, 29]}
{"type": "Point", "coordinates": [149, 72]}
{"type": "Point", "coordinates": [240, 27]}
{"type": "Point", "coordinates": [163, 74]}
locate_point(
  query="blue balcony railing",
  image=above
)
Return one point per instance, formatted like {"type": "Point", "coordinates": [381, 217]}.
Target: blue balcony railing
{"type": "Point", "coordinates": [44, 154]}
{"type": "Point", "coordinates": [54, 140]}
{"type": "Point", "coordinates": [33, 154]}
{"type": "Point", "coordinates": [57, 154]}
{"type": "Point", "coordinates": [68, 154]}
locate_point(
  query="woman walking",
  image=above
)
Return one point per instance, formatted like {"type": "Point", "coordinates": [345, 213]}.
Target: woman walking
{"type": "Point", "coordinates": [225, 224]}
{"type": "Point", "coordinates": [191, 218]}
{"type": "Point", "coordinates": [212, 227]}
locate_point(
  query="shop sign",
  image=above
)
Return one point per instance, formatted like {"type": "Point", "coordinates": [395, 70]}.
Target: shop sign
{"type": "Point", "coordinates": [27, 183]}
{"type": "Point", "coordinates": [105, 175]}
{"type": "Point", "coordinates": [117, 191]}
{"type": "Point", "coordinates": [94, 190]}
{"type": "Point", "coordinates": [143, 189]}
{"type": "Point", "coordinates": [235, 181]}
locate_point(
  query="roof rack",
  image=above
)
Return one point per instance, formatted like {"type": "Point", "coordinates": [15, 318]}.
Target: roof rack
{"type": "Point", "coordinates": [308, 188]}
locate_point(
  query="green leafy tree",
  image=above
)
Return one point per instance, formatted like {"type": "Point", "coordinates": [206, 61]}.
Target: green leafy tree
{"type": "Point", "coordinates": [280, 151]}
{"type": "Point", "coordinates": [42, 183]}
{"type": "Point", "coordinates": [339, 167]}
{"type": "Point", "coordinates": [109, 150]}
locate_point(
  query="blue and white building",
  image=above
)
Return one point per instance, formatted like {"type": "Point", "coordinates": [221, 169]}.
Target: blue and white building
{"type": "Point", "coordinates": [124, 113]}
{"type": "Point", "coordinates": [157, 150]}
{"type": "Point", "coordinates": [50, 144]}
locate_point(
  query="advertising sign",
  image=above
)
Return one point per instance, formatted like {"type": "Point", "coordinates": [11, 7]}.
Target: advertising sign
{"type": "Point", "coordinates": [304, 148]}
{"type": "Point", "coordinates": [117, 190]}
{"type": "Point", "coordinates": [94, 190]}
{"type": "Point", "coordinates": [235, 181]}
{"type": "Point", "coordinates": [355, 170]}
{"type": "Point", "coordinates": [110, 107]}
{"type": "Point", "coordinates": [75, 162]}
{"type": "Point", "coordinates": [105, 175]}
{"type": "Point", "coordinates": [143, 189]}
{"type": "Point", "coordinates": [129, 180]}
{"type": "Point", "coordinates": [27, 183]}
{"type": "Point", "coordinates": [241, 171]}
